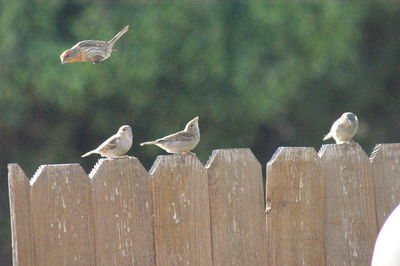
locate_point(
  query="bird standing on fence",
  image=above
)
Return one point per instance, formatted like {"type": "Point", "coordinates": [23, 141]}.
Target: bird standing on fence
{"type": "Point", "coordinates": [344, 129]}
{"type": "Point", "coordinates": [91, 50]}
{"type": "Point", "coordinates": [181, 142]}
{"type": "Point", "coordinates": [116, 146]}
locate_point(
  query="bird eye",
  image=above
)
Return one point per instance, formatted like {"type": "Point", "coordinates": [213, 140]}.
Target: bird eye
{"type": "Point", "coordinates": [67, 55]}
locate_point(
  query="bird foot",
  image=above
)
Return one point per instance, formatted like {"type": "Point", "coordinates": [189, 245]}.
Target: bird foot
{"type": "Point", "coordinates": [119, 157]}
{"type": "Point", "coordinates": [188, 152]}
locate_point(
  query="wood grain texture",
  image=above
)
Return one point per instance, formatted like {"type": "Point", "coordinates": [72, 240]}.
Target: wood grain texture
{"type": "Point", "coordinates": [295, 195]}
{"type": "Point", "coordinates": [181, 211]}
{"type": "Point", "coordinates": [62, 216]}
{"type": "Point", "coordinates": [386, 172]}
{"type": "Point", "coordinates": [350, 229]}
{"type": "Point", "coordinates": [20, 214]}
{"type": "Point", "coordinates": [121, 203]}
{"type": "Point", "coordinates": [237, 208]}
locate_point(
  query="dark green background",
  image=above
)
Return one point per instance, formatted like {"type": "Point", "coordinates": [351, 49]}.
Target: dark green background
{"type": "Point", "coordinates": [260, 74]}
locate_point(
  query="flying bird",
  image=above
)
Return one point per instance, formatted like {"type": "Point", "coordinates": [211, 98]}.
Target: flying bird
{"type": "Point", "coordinates": [91, 50]}
{"type": "Point", "coordinates": [115, 146]}
{"type": "Point", "coordinates": [344, 129]}
{"type": "Point", "coordinates": [181, 142]}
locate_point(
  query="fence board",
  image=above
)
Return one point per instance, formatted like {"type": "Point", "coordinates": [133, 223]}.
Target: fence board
{"type": "Point", "coordinates": [350, 229]}
{"type": "Point", "coordinates": [324, 210]}
{"type": "Point", "coordinates": [386, 167]}
{"type": "Point", "coordinates": [295, 195]}
{"type": "Point", "coordinates": [62, 216]}
{"type": "Point", "coordinates": [121, 203]}
{"type": "Point", "coordinates": [181, 211]}
{"type": "Point", "coordinates": [20, 213]}
{"type": "Point", "coordinates": [236, 208]}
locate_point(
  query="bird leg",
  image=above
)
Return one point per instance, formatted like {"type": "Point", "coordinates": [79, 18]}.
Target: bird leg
{"type": "Point", "coordinates": [122, 157]}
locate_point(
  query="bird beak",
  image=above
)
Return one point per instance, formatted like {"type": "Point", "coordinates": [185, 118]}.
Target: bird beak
{"type": "Point", "coordinates": [63, 57]}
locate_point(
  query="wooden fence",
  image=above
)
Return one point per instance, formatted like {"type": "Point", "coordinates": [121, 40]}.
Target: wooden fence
{"type": "Point", "coordinates": [322, 209]}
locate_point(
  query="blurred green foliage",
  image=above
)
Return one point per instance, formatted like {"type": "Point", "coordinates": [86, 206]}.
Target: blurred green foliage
{"type": "Point", "coordinates": [260, 74]}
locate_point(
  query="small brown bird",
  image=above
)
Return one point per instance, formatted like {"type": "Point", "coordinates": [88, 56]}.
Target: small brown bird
{"type": "Point", "coordinates": [344, 129]}
{"type": "Point", "coordinates": [115, 146]}
{"type": "Point", "coordinates": [181, 142]}
{"type": "Point", "coordinates": [91, 51]}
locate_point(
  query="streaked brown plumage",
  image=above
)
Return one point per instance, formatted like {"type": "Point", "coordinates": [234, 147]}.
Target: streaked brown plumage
{"type": "Point", "coordinates": [344, 129]}
{"type": "Point", "coordinates": [181, 142]}
{"type": "Point", "coordinates": [115, 146]}
{"type": "Point", "coordinates": [91, 50]}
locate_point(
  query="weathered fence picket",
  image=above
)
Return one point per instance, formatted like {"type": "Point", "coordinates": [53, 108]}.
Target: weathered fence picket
{"type": "Point", "coordinates": [20, 213]}
{"type": "Point", "coordinates": [122, 215]}
{"type": "Point", "coordinates": [322, 209]}
{"type": "Point", "coordinates": [181, 211]}
{"type": "Point", "coordinates": [295, 196]}
{"type": "Point", "coordinates": [62, 216]}
{"type": "Point", "coordinates": [237, 208]}
{"type": "Point", "coordinates": [386, 171]}
{"type": "Point", "coordinates": [350, 221]}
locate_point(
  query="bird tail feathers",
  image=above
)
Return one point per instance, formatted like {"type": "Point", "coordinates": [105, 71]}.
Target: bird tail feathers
{"type": "Point", "coordinates": [119, 35]}
{"type": "Point", "coordinates": [327, 136]}
{"type": "Point", "coordinates": [89, 153]}
{"type": "Point", "coordinates": [148, 143]}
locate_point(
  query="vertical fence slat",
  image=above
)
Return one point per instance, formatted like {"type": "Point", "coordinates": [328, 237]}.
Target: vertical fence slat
{"type": "Point", "coordinates": [322, 212]}
{"type": "Point", "coordinates": [236, 208]}
{"type": "Point", "coordinates": [387, 245]}
{"type": "Point", "coordinates": [350, 229]}
{"type": "Point", "coordinates": [386, 169]}
{"type": "Point", "coordinates": [295, 195]}
{"type": "Point", "coordinates": [121, 203]}
{"type": "Point", "coordinates": [62, 216]}
{"type": "Point", "coordinates": [181, 211]}
{"type": "Point", "coordinates": [20, 213]}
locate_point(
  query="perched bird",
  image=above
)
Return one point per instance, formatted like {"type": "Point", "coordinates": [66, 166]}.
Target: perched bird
{"type": "Point", "coordinates": [115, 146]}
{"type": "Point", "coordinates": [91, 51]}
{"type": "Point", "coordinates": [344, 129]}
{"type": "Point", "coordinates": [181, 142]}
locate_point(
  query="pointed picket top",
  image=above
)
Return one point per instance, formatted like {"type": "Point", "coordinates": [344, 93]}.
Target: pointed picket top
{"type": "Point", "coordinates": [58, 171]}
{"type": "Point", "coordinates": [353, 150]}
{"type": "Point", "coordinates": [231, 156]}
{"type": "Point", "coordinates": [173, 161]}
{"type": "Point", "coordinates": [17, 173]}
{"type": "Point", "coordinates": [291, 153]}
{"type": "Point", "coordinates": [387, 150]}
{"type": "Point", "coordinates": [106, 164]}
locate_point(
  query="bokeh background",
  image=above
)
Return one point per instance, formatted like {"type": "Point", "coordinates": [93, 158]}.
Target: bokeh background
{"type": "Point", "coordinates": [260, 74]}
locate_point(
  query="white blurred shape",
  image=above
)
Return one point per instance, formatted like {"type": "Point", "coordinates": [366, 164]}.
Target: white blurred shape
{"type": "Point", "coordinates": [387, 245]}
